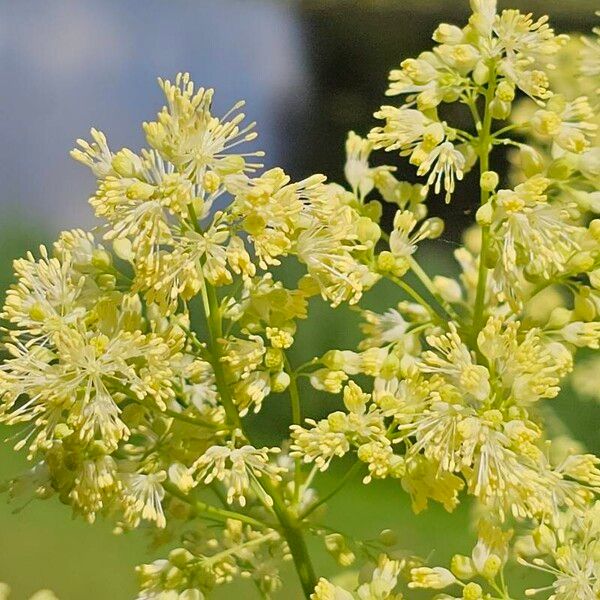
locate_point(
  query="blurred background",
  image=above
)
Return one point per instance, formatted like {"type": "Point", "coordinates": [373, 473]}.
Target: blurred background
{"type": "Point", "coordinates": [310, 71]}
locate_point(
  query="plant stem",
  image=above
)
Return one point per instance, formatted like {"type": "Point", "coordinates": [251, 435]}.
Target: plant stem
{"type": "Point", "coordinates": [292, 531]}
{"type": "Point", "coordinates": [485, 145]}
{"type": "Point", "coordinates": [288, 520]}
{"type": "Point", "coordinates": [192, 420]}
{"type": "Point", "coordinates": [215, 333]}
{"type": "Point", "coordinates": [426, 281]}
{"type": "Point", "coordinates": [221, 515]}
{"type": "Point", "coordinates": [296, 419]}
{"type": "Point", "coordinates": [350, 473]}
{"type": "Point", "coordinates": [435, 315]}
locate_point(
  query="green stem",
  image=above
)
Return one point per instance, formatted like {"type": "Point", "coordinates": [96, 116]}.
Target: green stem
{"type": "Point", "coordinates": [296, 419]}
{"type": "Point", "coordinates": [215, 332]}
{"type": "Point", "coordinates": [350, 473]}
{"type": "Point", "coordinates": [290, 525]}
{"type": "Point", "coordinates": [288, 520]}
{"type": "Point", "coordinates": [191, 420]}
{"type": "Point", "coordinates": [212, 513]}
{"type": "Point", "coordinates": [291, 528]}
{"type": "Point", "coordinates": [485, 145]}
{"type": "Point", "coordinates": [435, 315]}
{"type": "Point", "coordinates": [426, 281]}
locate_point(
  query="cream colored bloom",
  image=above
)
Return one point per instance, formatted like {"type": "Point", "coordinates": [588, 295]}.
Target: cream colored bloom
{"type": "Point", "coordinates": [237, 468]}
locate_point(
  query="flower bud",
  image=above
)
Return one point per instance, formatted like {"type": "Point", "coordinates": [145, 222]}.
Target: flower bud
{"type": "Point", "coordinates": [462, 566]}
{"type": "Point", "coordinates": [584, 306]}
{"type": "Point", "coordinates": [126, 163]}
{"type": "Point", "coordinates": [211, 182]}
{"type": "Point", "coordinates": [273, 358]}
{"type": "Point", "coordinates": [309, 286]}
{"type": "Point", "coordinates": [122, 248]}
{"type": "Point", "coordinates": [505, 92]}
{"type": "Point", "coordinates": [373, 210]}
{"type": "Point", "coordinates": [484, 214]}
{"type": "Point", "coordinates": [447, 288]}
{"type": "Point", "coordinates": [181, 477]}
{"type": "Point", "coordinates": [581, 262]}
{"type": "Point", "coordinates": [500, 110]}
{"type": "Point", "coordinates": [435, 227]}
{"type": "Point", "coordinates": [544, 539]}
{"type": "Point", "coordinates": [280, 382]}
{"type": "Point", "coordinates": [368, 231]}
{"type": "Point", "coordinates": [489, 181]}
{"type": "Point", "coordinates": [140, 190]}
{"type": "Point", "coordinates": [435, 578]}
{"type": "Point", "coordinates": [101, 259]}
{"type": "Point", "coordinates": [594, 229]}
{"type": "Point", "coordinates": [472, 591]}
{"type": "Point", "coordinates": [531, 161]}
{"type": "Point", "coordinates": [561, 169]}
{"type": "Point", "coordinates": [481, 73]}
{"type": "Point", "coordinates": [386, 261]}
{"type": "Point", "coordinates": [448, 34]}
{"type": "Point", "coordinates": [491, 567]}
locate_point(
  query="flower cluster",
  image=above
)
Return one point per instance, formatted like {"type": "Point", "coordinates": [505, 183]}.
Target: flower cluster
{"type": "Point", "coordinates": [134, 361]}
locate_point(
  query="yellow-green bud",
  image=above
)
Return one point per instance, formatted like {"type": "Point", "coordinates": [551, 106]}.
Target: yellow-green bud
{"type": "Point", "coordinates": [368, 231]}
{"type": "Point", "coordinates": [472, 591]}
{"type": "Point", "coordinates": [481, 73]}
{"type": "Point", "coordinates": [280, 382]}
{"type": "Point", "coordinates": [334, 360]}
{"type": "Point", "coordinates": [309, 286]}
{"type": "Point", "coordinates": [122, 248]}
{"type": "Point", "coordinates": [390, 366]}
{"type": "Point", "coordinates": [254, 224]}
{"type": "Point", "coordinates": [532, 162]}
{"type": "Point", "coordinates": [386, 261]}
{"type": "Point", "coordinates": [211, 182]}
{"type": "Point", "coordinates": [489, 181]}
{"type": "Point", "coordinates": [273, 358]}
{"type": "Point", "coordinates": [484, 214]}
{"type": "Point", "coordinates": [373, 210]}
{"type": "Point", "coordinates": [101, 259]}
{"type": "Point", "coordinates": [435, 227]}
{"type": "Point", "coordinates": [462, 566]}
{"type": "Point", "coordinates": [448, 288]}
{"type": "Point", "coordinates": [125, 163]}
{"type": "Point", "coordinates": [180, 557]}
{"type": "Point", "coordinates": [594, 229]}
{"type": "Point", "coordinates": [560, 169]}
{"type": "Point", "coordinates": [448, 34]}
{"type": "Point", "coordinates": [544, 539]}
{"type": "Point", "coordinates": [584, 306]}
{"type": "Point", "coordinates": [505, 92]}
{"type": "Point", "coordinates": [491, 567]}
{"type": "Point", "coordinates": [500, 110]}
{"type": "Point", "coordinates": [140, 190]}
{"type": "Point", "coordinates": [61, 431]}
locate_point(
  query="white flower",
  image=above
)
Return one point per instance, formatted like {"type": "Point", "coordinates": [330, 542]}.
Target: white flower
{"type": "Point", "coordinates": [237, 468]}
{"type": "Point", "coordinates": [444, 164]}
{"type": "Point", "coordinates": [143, 496]}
